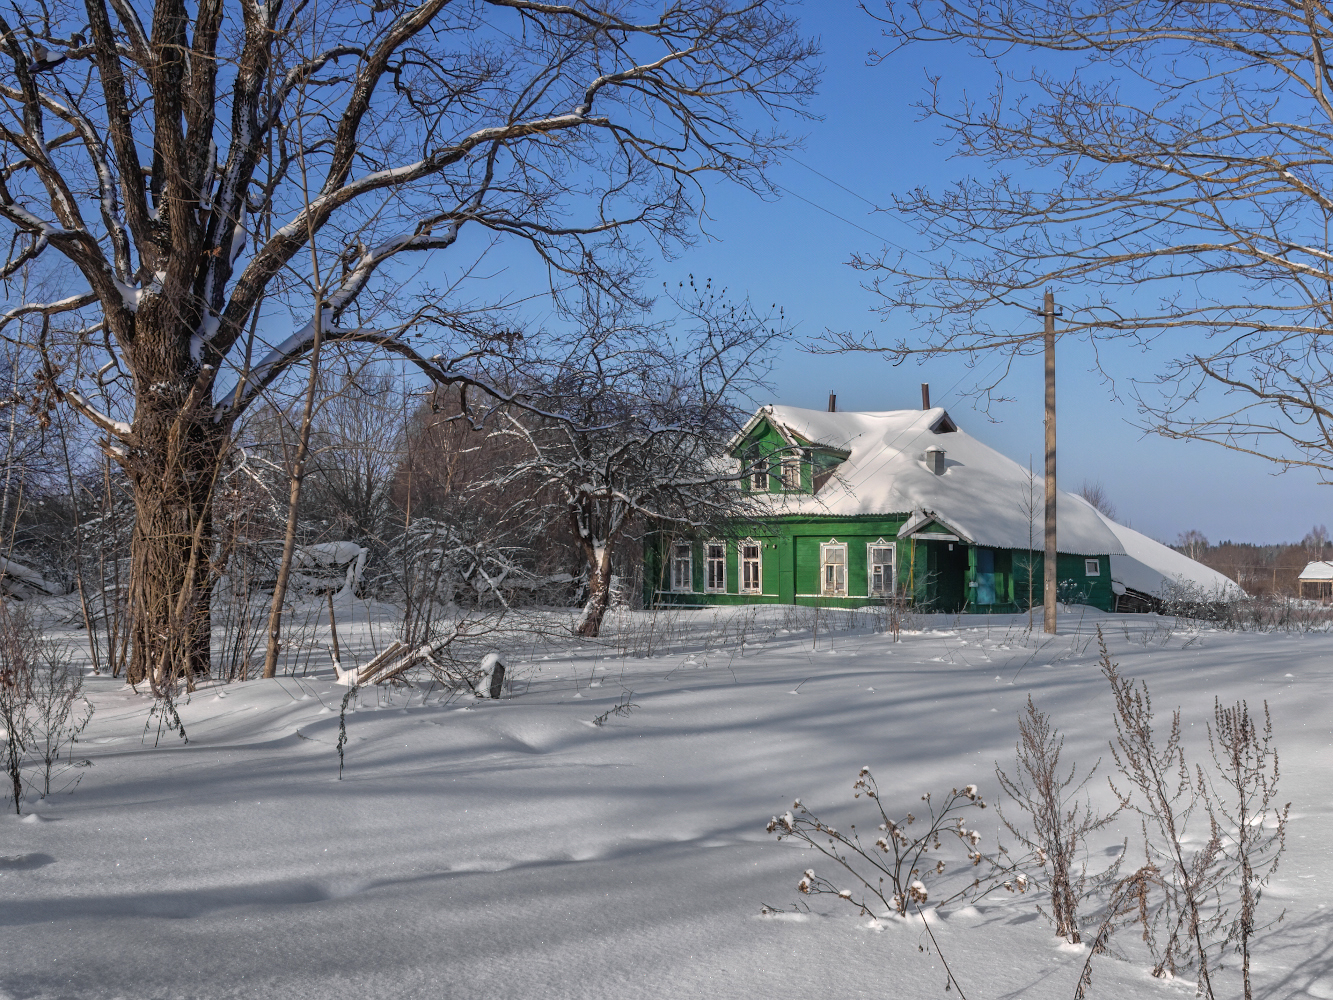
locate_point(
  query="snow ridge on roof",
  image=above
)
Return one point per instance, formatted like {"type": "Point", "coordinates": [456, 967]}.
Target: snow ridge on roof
{"type": "Point", "coordinates": [981, 492]}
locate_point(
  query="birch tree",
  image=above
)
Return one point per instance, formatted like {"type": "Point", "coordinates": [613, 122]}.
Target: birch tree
{"type": "Point", "coordinates": [207, 176]}
{"type": "Point", "coordinates": [1165, 167]}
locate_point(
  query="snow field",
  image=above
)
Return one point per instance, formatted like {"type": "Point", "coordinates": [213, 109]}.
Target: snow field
{"type": "Point", "coordinates": [512, 849]}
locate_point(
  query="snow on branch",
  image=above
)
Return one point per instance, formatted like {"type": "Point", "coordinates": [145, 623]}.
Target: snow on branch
{"type": "Point", "coordinates": [47, 308]}
{"type": "Point", "coordinates": [117, 428]}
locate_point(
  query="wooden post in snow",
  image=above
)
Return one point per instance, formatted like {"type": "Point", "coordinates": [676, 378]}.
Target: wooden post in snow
{"type": "Point", "coordinates": [1049, 563]}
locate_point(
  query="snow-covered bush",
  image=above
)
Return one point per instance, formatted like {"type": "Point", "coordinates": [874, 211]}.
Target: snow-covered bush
{"type": "Point", "coordinates": [59, 713]}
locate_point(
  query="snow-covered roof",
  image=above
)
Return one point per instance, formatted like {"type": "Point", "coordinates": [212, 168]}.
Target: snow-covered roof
{"type": "Point", "coordinates": [1152, 568]}
{"type": "Point", "coordinates": [981, 493]}
{"type": "Point", "coordinates": [981, 496]}
{"type": "Point", "coordinates": [1316, 571]}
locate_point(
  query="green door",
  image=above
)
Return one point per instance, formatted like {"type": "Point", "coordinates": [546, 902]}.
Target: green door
{"type": "Point", "coordinates": [946, 585]}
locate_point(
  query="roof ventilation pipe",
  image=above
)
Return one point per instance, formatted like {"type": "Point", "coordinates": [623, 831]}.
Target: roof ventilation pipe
{"type": "Point", "coordinates": [935, 459]}
{"type": "Point", "coordinates": [925, 395]}
{"type": "Point", "coordinates": [832, 402]}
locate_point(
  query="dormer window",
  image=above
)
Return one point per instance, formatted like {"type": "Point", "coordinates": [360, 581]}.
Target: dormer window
{"type": "Point", "coordinates": [758, 472]}
{"type": "Point", "coordinates": [791, 471]}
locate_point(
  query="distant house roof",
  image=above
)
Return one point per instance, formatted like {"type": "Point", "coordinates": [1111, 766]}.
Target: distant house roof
{"type": "Point", "coordinates": [1316, 571]}
{"type": "Point", "coordinates": [980, 494]}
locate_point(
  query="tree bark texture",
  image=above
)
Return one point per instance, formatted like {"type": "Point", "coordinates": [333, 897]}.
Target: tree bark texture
{"type": "Point", "coordinates": [599, 592]}
{"type": "Point", "coordinates": [172, 471]}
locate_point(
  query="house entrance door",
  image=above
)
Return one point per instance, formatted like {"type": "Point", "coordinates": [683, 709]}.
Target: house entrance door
{"type": "Point", "coordinates": [946, 586]}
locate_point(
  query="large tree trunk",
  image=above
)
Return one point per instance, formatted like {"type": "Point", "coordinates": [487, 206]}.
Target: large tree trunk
{"type": "Point", "coordinates": [172, 470]}
{"type": "Point", "coordinates": [588, 523]}
{"type": "Point", "coordinates": [599, 597]}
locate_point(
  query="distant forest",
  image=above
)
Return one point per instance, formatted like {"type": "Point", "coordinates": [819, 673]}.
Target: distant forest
{"type": "Point", "coordinates": [1260, 569]}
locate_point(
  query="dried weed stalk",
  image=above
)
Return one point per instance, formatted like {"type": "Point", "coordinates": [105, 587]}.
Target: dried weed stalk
{"type": "Point", "coordinates": [1060, 820]}
{"type": "Point", "coordinates": [1256, 828]}
{"type": "Point", "coordinates": [896, 869]}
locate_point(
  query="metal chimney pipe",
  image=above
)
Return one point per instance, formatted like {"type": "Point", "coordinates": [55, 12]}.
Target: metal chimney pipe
{"type": "Point", "coordinates": [832, 402]}
{"type": "Point", "coordinates": [925, 395]}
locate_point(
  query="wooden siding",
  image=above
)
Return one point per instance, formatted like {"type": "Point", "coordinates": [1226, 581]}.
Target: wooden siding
{"type": "Point", "coordinates": [928, 573]}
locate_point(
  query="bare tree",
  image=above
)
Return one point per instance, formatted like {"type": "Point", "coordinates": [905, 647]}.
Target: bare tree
{"type": "Point", "coordinates": [1095, 493]}
{"type": "Point", "coordinates": [234, 147]}
{"type": "Point", "coordinates": [1315, 541]}
{"type": "Point", "coordinates": [357, 448]}
{"type": "Point", "coordinates": [651, 411]}
{"type": "Point", "coordinates": [1193, 543]}
{"type": "Point", "coordinates": [1166, 168]}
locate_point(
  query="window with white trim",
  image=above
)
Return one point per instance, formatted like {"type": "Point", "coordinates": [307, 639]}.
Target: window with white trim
{"type": "Point", "coordinates": [682, 568]}
{"type": "Point", "coordinates": [751, 578]}
{"type": "Point", "coordinates": [759, 472]}
{"type": "Point", "coordinates": [1092, 567]}
{"type": "Point", "coordinates": [715, 566]}
{"type": "Point", "coordinates": [833, 569]}
{"type": "Point", "coordinates": [791, 471]}
{"type": "Point", "coordinates": [879, 568]}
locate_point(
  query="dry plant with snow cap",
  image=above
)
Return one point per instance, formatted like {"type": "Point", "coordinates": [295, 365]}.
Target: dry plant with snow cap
{"type": "Point", "coordinates": [896, 871]}
{"type": "Point", "coordinates": [899, 871]}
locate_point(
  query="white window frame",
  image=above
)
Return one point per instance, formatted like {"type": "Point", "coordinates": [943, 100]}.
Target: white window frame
{"type": "Point", "coordinates": [791, 471]}
{"type": "Point", "coordinates": [759, 474]}
{"type": "Point", "coordinates": [676, 561]}
{"type": "Point", "coordinates": [757, 587]}
{"type": "Point", "coordinates": [824, 566]}
{"type": "Point", "coordinates": [709, 560]}
{"type": "Point", "coordinates": [1092, 567]}
{"type": "Point", "coordinates": [892, 564]}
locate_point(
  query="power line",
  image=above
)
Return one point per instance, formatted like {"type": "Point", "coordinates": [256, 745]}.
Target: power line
{"type": "Point", "coordinates": [854, 225]}
{"type": "Point", "coordinates": [837, 184]}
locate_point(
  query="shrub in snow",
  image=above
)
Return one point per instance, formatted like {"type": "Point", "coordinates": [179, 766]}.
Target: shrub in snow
{"type": "Point", "coordinates": [900, 870]}
{"type": "Point", "coordinates": [1194, 904]}
{"type": "Point", "coordinates": [896, 870]}
{"type": "Point", "coordinates": [18, 653]}
{"type": "Point", "coordinates": [1057, 824]}
{"type": "Point", "coordinates": [621, 708]}
{"type": "Point", "coordinates": [59, 713]}
{"type": "Point", "coordinates": [42, 707]}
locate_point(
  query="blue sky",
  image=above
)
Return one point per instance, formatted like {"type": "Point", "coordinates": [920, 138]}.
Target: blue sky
{"type": "Point", "coordinates": [794, 252]}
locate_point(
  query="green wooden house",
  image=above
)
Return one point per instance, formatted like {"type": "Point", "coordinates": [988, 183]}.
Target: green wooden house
{"type": "Point", "coordinates": [857, 508]}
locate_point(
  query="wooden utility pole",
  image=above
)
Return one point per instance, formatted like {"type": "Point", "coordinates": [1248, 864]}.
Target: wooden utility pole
{"type": "Point", "coordinates": [1049, 564]}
